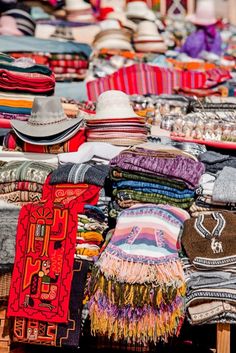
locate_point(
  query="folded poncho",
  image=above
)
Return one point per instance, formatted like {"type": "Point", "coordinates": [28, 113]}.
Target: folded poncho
{"type": "Point", "coordinates": [137, 285]}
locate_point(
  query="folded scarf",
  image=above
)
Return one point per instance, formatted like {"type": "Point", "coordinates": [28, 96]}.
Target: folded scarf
{"type": "Point", "coordinates": [80, 173]}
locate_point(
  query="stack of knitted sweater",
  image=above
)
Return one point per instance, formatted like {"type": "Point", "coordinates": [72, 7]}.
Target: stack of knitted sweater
{"type": "Point", "coordinates": [22, 182]}
{"type": "Point", "coordinates": [209, 243]}
{"type": "Point", "coordinates": [165, 175]}
{"type": "Point", "coordinates": [137, 286]}
{"type": "Point", "coordinates": [217, 189]}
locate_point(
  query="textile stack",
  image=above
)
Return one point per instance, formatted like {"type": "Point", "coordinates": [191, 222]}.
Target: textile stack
{"type": "Point", "coordinates": [163, 175]}
{"type": "Point", "coordinates": [22, 182]}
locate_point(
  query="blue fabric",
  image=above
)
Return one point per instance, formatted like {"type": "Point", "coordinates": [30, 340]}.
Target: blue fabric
{"type": "Point", "coordinates": [153, 188]}
{"type": "Point", "coordinates": [31, 44]}
{"type": "Point", "coordinates": [72, 90]}
{"type": "Point", "coordinates": [14, 110]}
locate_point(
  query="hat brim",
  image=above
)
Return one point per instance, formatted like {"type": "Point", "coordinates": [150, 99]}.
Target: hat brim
{"type": "Point", "coordinates": [201, 22]}
{"type": "Point", "coordinates": [46, 130]}
{"type": "Point", "coordinates": [52, 140]}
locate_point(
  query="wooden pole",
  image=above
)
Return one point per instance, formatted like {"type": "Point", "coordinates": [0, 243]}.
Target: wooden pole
{"type": "Point", "coordinates": [232, 12]}
{"type": "Point", "coordinates": [223, 338]}
{"type": "Point", "coordinates": [190, 7]}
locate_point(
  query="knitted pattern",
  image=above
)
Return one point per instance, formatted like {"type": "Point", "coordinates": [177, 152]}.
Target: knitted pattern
{"type": "Point", "coordinates": [137, 285]}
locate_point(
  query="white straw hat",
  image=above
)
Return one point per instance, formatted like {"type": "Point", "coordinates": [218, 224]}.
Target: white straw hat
{"type": "Point", "coordinates": [114, 104]}
{"type": "Point", "coordinates": [71, 5]}
{"type": "Point", "coordinates": [140, 10]}
{"type": "Point", "coordinates": [205, 13]}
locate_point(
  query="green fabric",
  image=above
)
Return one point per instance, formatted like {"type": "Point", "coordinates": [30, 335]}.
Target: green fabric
{"type": "Point", "coordinates": [117, 174]}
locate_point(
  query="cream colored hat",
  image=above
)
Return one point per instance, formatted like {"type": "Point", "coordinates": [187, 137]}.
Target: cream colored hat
{"type": "Point", "coordinates": [140, 10]}
{"type": "Point", "coordinates": [121, 17]}
{"type": "Point", "coordinates": [205, 13]}
{"type": "Point", "coordinates": [148, 38]}
{"type": "Point", "coordinates": [113, 39]}
{"type": "Point", "coordinates": [71, 5]}
{"type": "Point", "coordinates": [114, 104]}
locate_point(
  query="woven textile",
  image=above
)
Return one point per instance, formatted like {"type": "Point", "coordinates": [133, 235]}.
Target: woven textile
{"type": "Point", "coordinates": [52, 334]}
{"type": "Point", "coordinates": [5, 282]}
{"type": "Point", "coordinates": [145, 79]}
{"type": "Point", "coordinates": [9, 219]}
{"type": "Point", "coordinates": [14, 143]}
{"type": "Point", "coordinates": [46, 236]}
{"type": "Point", "coordinates": [137, 284]}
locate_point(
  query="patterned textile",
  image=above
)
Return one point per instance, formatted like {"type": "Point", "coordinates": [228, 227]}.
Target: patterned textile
{"type": "Point", "coordinates": [20, 185]}
{"type": "Point", "coordinates": [45, 240]}
{"type": "Point", "coordinates": [76, 64]}
{"type": "Point", "coordinates": [80, 173]}
{"type": "Point", "coordinates": [5, 282]}
{"type": "Point", "coordinates": [145, 79]}
{"type": "Point", "coordinates": [139, 278]}
{"type": "Point", "coordinates": [9, 219]}
{"type": "Point", "coordinates": [25, 171]}
{"type": "Point", "coordinates": [52, 334]}
{"type": "Point", "coordinates": [12, 142]}
{"type": "Point", "coordinates": [64, 193]}
{"type": "Point", "coordinates": [20, 197]}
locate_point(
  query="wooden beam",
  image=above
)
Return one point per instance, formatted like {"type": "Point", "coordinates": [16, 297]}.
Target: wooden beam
{"type": "Point", "coordinates": [163, 7]}
{"type": "Point", "coordinates": [223, 338]}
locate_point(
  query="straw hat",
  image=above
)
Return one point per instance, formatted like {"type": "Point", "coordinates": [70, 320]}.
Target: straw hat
{"type": "Point", "coordinates": [140, 10]}
{"type": "Point", "coordinates": [148, 39]}
{"type": "Point", "coordinates": [205, 13]}
{"type": "Point", "coordinates": [8, 26]}
{"type": "Point", "coordinates": [114, 104]}
{"type": "Point", "coordinates": [72, 5]}
{"type": "Point", "coordinates": [121, 17]}
{"type": "Point", "coordinates": [116, 38]}
{"type": "Point", "coordinates": [47, 123]}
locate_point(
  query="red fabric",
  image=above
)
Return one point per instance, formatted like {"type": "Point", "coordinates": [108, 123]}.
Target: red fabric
{"type": "Point", "coordinates": [5, 123]}
{"type": "Point", "coordinates": [42, 275]}
{"type": "Point", "coordinates": [64, 193]}
{"type": "Point", "coordinates": [30, 82]}
{"type": "Point", "coordinates": [146, 79]}
{"type": "Point", "coordinates": [76, 64]}
{"type": "Point", "coordinates": [13, 143]}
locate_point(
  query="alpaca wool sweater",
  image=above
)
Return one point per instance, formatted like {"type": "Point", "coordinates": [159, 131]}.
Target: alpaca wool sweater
{"type": "Point", "coordinates": [210, 241]}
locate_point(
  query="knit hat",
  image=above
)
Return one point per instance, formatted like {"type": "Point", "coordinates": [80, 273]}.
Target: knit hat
{"type": "Point", "coordinates": [24, 21]}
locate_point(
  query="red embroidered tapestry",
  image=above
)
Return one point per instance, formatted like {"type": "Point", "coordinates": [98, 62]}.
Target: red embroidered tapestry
{"type": "Point", "coordinates": [42, 275]}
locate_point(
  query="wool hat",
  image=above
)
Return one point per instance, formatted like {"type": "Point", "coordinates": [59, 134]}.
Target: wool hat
{"type": "Point", "coordinates": [140, 10]}
{"type": "Point", "coordinates": [24, 21]}
{"type": "Point", "coordinates": [114, 104]}
{"type": "Point", "coordinates": [47, 122]}
{"type": "Point", "coordinates": [205, 14]}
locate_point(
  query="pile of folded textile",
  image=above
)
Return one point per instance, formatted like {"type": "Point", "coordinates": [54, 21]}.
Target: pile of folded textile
{"type": "Point", "coordinates": [163, 175]}
{"type": "Point", "coordinates": [25, 76]}
{"type": "Point", "coordinates": [217, 185]}
{"type": "Point", "coordinates": [69, 66]}
{"type": "Point", "coordinates": [137, 285]}
{"type": "Point", "coordinates": [22, 182]}
{"type": "Point", "coordinates": [48, 129]}
{"type": "Point", "coordinates": [209, 257]}
{"type": "Point", "coordinates": [115, 121]}
{"type": "Point", "coordinates": [91, 227]}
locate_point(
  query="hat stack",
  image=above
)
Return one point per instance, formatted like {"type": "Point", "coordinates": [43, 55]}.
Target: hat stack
{"type": "Point", "coordinates": [148, 39]}
{"type": "Point", "coordinates": [124, 21]}
{"type": "Point", "coordinates": [17, 22]}
{"type": "Point", "coordinates": [138, 11]}
{"type": "Point", "coordinates": [115, 121]}
{"type": "Point", "coordinates": [47, 124]}
{"type": "Point", "coordinates": [112, 36]}
{"type": "Point", "coordinates": [205, 14]}
{"type": "Point", "coordinates": [79, 11]}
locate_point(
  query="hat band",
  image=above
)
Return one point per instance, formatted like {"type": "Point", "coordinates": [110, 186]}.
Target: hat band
{"type": "Point", "coordinates": [35, 119]}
